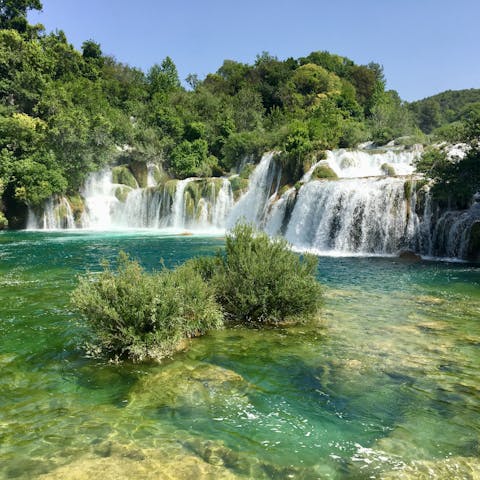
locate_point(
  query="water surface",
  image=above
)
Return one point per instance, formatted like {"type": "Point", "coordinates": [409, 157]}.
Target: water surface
{"type": "Point", "coordinates": [385, 385]}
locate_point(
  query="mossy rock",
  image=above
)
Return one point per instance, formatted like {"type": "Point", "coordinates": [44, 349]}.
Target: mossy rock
{"type": "Point", "coordinates": [324, 172]}
{"type": "Point", "coordinates": [122, 193]}
{"type": "Point", "coordinates": [77, 205]}
{"type": "Point", "coordinates": [159, 175]}
{"type": "Point", "coordinates": [3, 221]}
{"type": "Point", "coordinates": [195, 190]}
{"type": "Point", "coordinates": [407, 189]}
{"type": "Point", "coordinates": [185, 384]}
{"type": "Point", "coordinates": [474, 243]}
{"type": "Point", "coordinates": [170, 187]}
{"type": "Point", "coordinates": [284, 189]}
{"type": "Point", "coordinates": [388, 170]}
{"type": "Point", "coordinates": [211, 185]}
{"type": "Point", "coordinates": [247, 171]}
{"type": "Point", "coordinates": [189, 205]}
{"type": "Point", "coordinates": [123, 176]}
{"type": "Point", "coordinates": [239, 186]}
{"type": "Point", "coordinates": [140, 172]}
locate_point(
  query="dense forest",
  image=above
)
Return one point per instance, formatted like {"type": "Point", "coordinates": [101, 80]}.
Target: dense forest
{"type": "Point", "coordinates": [65, 113]}
{"type": "Point", "coordinates": [438, 113]}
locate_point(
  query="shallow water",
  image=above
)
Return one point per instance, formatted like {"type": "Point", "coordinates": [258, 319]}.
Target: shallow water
{"type": "Point", "coordinates": [386, 385]}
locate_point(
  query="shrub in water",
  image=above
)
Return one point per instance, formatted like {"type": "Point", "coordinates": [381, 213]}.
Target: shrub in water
{"type": "Point", "coordinates": [141, 316]}
{"type": "Point", "coordinates": [261, 281]}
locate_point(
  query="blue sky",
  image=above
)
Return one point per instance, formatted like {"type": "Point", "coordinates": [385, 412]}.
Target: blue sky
{"type": "Point", "coordinates": [425, 46]}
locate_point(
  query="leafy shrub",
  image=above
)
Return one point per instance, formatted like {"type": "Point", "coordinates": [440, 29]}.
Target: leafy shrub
{"type": "Point", "coordinates": [247, 170]}
{"type": "Point", "coordinates": [123, 176]}
{"type": "Point", "coordinates": [187, 158]}
{"type": "Point", "coordinates": [388, 170]}
{"type": "Point", "coordinates": [141, 316]}
{"type": "Point", "coordinates": [261, 281]}
{"type": "Point", "coordinates": [3, 221]}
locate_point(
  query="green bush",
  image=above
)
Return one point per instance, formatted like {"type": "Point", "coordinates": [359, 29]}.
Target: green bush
{"type": "Point", "coordinates": [3, 221]}
{"type": "Point", "coordinates": [388, 170]}
{"type": "Point", "coordinates": [123, 176]}
{"type": "Point", "coordinates": [261, 281]}
{"type": "Point", "coordinates": [136, 315]}
{"type": "Point", "coordinates": [324, 172]}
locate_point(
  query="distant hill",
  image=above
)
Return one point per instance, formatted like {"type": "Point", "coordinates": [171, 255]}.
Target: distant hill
{"type": "Point", "coordinates": [445, 108]}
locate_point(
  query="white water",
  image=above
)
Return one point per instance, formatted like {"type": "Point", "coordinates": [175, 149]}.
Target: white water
{"type": "Point", "coordinates": [178, 208]}
{"type": "Point", "coordinates": [57, 214]}
{"type": "Point", "coordinates": [262, 188]}
{"type": "Point", "coordinates": [366, 216]}
{"type": "Point", "coordinates": [364, 212]}
{"type": "Point", "coordinates": [368, 163]}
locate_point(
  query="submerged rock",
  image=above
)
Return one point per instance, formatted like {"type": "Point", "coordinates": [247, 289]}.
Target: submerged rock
{"type": "Point", "coordinates": [197, 385]}
{"type": "Point", "coordinates": [151, 465]}
{"type": "Point", "coordinates": [467, 468]}
{"type": "Point", "coordinates": [409, 256]}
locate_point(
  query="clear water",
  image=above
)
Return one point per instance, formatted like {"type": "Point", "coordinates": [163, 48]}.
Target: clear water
{"type": "Point", "coordinates": [386, 385]}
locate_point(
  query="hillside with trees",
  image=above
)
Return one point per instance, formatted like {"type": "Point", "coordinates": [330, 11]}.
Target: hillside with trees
{"type": "Point", "coordinates": [443, 109]}
{"type": "Point", "coordinates": [65, 113]}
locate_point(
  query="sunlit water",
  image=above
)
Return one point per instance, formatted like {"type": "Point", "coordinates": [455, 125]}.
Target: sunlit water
{"type": "Point", "coordinates": [386, 385]}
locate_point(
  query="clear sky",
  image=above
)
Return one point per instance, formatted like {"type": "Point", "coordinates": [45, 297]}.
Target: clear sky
{"type": "Point", "coordinates": [425, 46]}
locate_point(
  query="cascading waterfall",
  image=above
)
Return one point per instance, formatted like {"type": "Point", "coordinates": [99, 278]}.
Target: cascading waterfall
{"type": "Point", "coordinates": [361, 215]}
{"type": "Point", "coordinates": [448, 234]}
{"type": "Point", "coordinates": [357, 163]}
{"type": "Point", "coordinates": [262, 190]}
{"type": "Point", "coordinates": [364, 211]}
{"type": "Point", "coordinates": [178, 208]}
{"type": "Point", "coordinates": [57, 214]}
{"type": "Point", "coordinates": [222, 205]}
{"type": "Point", "coordinates": [194, 204]}
{"type": "Point", "coordinates": [100, 200]}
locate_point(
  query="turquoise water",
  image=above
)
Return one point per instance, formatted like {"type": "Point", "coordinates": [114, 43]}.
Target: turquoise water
{"type": "Point", "coordinates": [385, 385]}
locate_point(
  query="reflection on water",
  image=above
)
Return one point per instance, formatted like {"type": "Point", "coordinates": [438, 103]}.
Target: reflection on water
{"type": "Point", "coordinates": [385, 385]}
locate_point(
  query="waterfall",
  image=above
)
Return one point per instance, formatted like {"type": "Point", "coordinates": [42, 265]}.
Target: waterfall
{"type": "Point", "coordinates": [100, 201]}
{"type": "Point", "coordinates": [263, 185]}
{"type": "Point", "coordinates": [222, 205]}
{"type": "Point", "coordinates": [364, 211]}
{"type": "Point", "coordinates": [361, 215]}
{"type": "Point", "coordinates": [358, 163]}
{"type": "Point", "coordinates": [151, 167]}
{"type": "Point", "coordinates": [57, 214]}
{"type": "Point", "coordinates": [447, 234]}
{"type": "Point", "coordinates": [278, 213]}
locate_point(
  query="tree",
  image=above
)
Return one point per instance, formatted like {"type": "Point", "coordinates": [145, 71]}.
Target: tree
{"type": "Point", "coordinates": [164, 77]}
{"type": "Point", "coordinates": [455, 180]}
{"type": "Point", "coordinates": [91, 49]}
{"type": "Point", "coordinates": [13, 13]}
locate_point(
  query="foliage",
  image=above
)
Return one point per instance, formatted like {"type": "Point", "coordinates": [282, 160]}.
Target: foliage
{"type": "Point", "coordinates": [388, 170]}
{"type": "Point", "coordinates": [13, 14]}
{"type": "Point", "coordinates": [324, 172]}
{"type": "Point", "coordinates": [188, 157]}
{"type": "Point", "coordinates": [390, 119]}
{"type": "Point", "coordinates": [261, 281]}
{"type": "Point", "coordinates": [141, 316]}
{"type": "Point", "coordinates": [455, 180]}
{"type": "Point", "coordinates": [445, 108]}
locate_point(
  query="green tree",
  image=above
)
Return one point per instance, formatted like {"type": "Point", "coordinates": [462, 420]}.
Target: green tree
{"type": "Point", "coordinates": [13, 13]}
{"type": "Point", "coordinates": [164, 77]}
{"type": "Point", "coordinates": [91, 50]}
